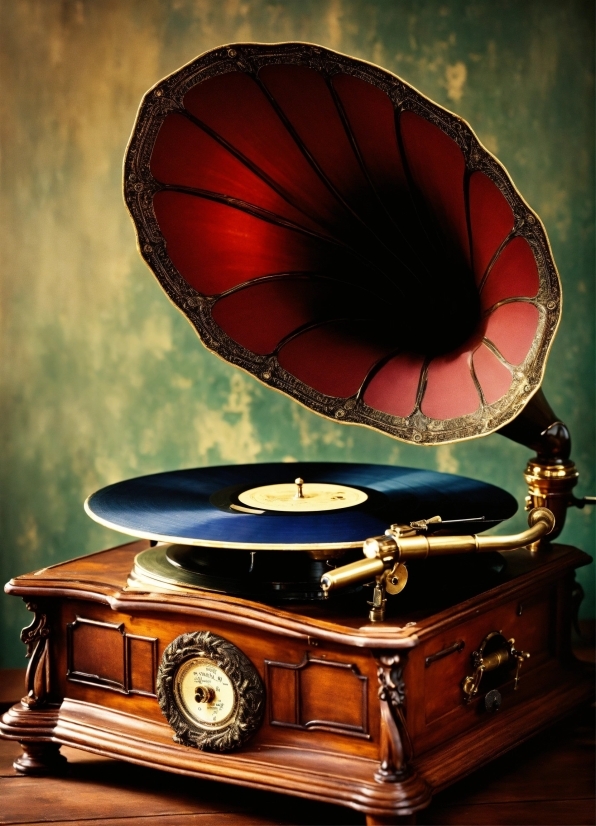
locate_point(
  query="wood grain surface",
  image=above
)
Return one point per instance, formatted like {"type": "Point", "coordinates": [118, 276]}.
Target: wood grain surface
{"type": "Point", "coordinates": [548, 780]}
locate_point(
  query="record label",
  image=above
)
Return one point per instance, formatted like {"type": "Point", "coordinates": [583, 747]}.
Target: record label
{"type": "Point", "coordinates": [302, 497]}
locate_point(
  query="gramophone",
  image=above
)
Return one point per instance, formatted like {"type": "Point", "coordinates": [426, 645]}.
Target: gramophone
{"type": "Point", "coordinates": [341, 632]}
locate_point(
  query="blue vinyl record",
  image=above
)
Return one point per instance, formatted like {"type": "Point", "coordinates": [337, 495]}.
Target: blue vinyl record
{"type": "Point", "coordinates": [193, 507]}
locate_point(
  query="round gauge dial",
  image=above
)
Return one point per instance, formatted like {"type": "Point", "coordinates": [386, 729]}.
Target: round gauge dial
{"type": "Point", "coordinates": [210, 692]}
{"type": "Point", "coordinates": [204, 692]}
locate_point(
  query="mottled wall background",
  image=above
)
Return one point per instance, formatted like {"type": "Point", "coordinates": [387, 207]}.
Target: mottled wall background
{"type": "Point", "coordinates": [102, 379]}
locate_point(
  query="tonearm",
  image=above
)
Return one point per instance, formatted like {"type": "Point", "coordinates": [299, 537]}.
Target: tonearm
{"type": "Point", "coordinates": [385, 555]}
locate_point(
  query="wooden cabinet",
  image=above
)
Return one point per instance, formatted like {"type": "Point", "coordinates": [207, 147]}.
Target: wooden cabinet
{"type": "Point", "coordinates": [370, 716]}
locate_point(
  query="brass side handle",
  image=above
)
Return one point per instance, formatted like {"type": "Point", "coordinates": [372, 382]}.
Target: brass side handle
{"type": "Point", "coordinates": [494, 652]}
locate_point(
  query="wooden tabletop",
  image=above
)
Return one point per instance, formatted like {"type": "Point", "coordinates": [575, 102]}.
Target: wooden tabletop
{"type": "Point", "coordinates": [548, 780]}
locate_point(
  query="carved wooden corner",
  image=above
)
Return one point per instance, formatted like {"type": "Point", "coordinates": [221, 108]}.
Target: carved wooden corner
{"type": "Point", "coordinates": [396, 752]}
{"type": "Point", "coordinates": [37, 680]}
{"type": "Point", "coordinates": [32, 721]}
{"type": "Point", "coordinates": [396, 747]}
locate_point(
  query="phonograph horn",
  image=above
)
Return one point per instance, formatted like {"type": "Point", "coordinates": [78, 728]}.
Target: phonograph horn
{"type": "Point", "coordinates": [332, 231]}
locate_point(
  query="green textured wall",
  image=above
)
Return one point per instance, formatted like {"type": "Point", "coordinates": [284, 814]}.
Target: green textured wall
{"type": "Point", "coordinates": [102, 379]}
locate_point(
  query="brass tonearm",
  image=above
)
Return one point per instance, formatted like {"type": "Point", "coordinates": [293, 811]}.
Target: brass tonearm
{"type": "Point", "coordinates": [385, 555]}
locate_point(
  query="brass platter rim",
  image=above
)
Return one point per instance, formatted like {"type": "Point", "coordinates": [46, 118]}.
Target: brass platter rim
{"type": "Point", "coordinates": [141, 575]}
{"type": "Point", "coordinates": [152, 569]}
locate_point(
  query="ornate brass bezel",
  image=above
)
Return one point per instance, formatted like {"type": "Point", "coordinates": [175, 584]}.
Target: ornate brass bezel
{"type": "Point", "coordinates": [250, 692]}
{"type": "Point", "coordinates": [140, 187]}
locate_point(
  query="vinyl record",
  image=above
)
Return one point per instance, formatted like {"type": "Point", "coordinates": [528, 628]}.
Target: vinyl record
{"type": "Point", "coordinates": [203, 507]}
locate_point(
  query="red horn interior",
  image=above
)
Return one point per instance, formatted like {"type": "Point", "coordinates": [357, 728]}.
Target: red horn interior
{"type": "Point", "coordinates": [348, 241]}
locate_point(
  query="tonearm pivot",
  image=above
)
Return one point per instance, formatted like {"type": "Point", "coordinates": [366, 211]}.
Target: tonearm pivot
{"type": "Point", "coordinates": [385, 555]}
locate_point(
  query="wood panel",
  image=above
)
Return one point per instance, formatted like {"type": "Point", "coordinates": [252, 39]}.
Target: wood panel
{"type": "Point", "coordinates": [105, 654]}
{"type": "Point", "coordinates": [310, 714]}
{"type": "Point", "coordinates": [442, 662]}
{"type": "Point", "coordinates": [318, 694]}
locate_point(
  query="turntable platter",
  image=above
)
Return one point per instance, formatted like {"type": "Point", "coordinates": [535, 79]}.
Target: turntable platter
{"type": "Point", "coordinates": [209, 507]}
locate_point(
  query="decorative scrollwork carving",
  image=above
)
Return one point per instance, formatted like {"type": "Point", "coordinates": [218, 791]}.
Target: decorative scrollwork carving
{"type": "Point", "coordinates": [396, 746]}
{"type": "Point", "coordinates": [249, 692]}
{"type": "Point", "coordinates": [36, 637]}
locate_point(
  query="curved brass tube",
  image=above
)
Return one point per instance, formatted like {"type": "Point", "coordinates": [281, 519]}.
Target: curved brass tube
{"type": "Point", "coordinates": [383, 552]}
